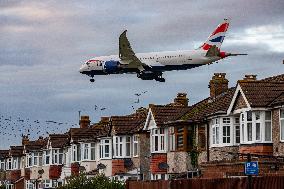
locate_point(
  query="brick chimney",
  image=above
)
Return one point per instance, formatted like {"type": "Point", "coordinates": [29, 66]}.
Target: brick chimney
{"type": "Point", "coordinates": [181, 100]}
{"type": "Point", "coordinates": [84, 122]}
{"type": "Point", "coordinates": [25, 140]}
{"type": "Point", "coordinates": [218, 84]}
{"type": "Point", "coordinates": [249, 78]}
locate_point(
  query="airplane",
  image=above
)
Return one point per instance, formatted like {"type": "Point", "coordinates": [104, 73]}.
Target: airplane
{"type": "Point", "coordinates": [150, 66]}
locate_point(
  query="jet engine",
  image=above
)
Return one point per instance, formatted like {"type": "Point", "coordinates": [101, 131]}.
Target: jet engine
{"type": "Point", "coordinates": [111, 66]}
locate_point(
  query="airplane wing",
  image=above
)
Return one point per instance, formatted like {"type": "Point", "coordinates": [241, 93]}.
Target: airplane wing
{"type": "Point", "coordinates": [127, 55]}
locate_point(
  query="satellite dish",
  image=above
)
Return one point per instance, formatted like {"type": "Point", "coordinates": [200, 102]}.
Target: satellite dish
{"type": "Point", "coordinates": [41, 171]}
{"type": "Point", "coordinates": [163, 166]}
{"type": "Point", "coordinates": [128, 162]}
{"type": "Point", "coordinates": [101, 166]}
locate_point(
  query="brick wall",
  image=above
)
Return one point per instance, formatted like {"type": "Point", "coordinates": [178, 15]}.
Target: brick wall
{"type": "Point", "coordinates": [278, 147]}
{"type": "Point", "coordinates": [178, 162]}
{"type": "Point", "coordinates": [222, 153]}
{"type": "Point", "coordinates": [262, 149]}
{"type": "Point", "coordinates": [154, 163]}
{"type": "Point", "coordinates": [230, 168]}
{"type": "Point", "coordinates": [118, 166]}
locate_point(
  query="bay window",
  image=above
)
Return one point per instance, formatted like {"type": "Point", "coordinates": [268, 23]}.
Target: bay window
{"type": "Point", "coordinates": [282, 124]}
{"type": "Point", "coordinates": [89, 151]}
{"type": "Point", "coordinates": [122, 146]}
{"type": "Point", "coordinates": [256, 126]}
{"type": "Point", "coordinates": [57, 156]}
{"type": "Point", "coordinates": [105, 148]}
{"type": "Point", "coordinates": [135, 145]}
{"type": "Point", "coordinates": [158, 140]}
{"type": "Point", "coordinates": [37, 159]}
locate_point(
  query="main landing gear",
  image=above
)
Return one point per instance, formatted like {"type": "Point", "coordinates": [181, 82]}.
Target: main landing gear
{"type": "Point", "coordinates": [92, 80]}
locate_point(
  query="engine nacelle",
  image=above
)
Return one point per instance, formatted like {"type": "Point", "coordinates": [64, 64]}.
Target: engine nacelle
{"type": "Point", "coordinates": [111, 66]}
{"type": "Point", "coordinates": [147, 75]}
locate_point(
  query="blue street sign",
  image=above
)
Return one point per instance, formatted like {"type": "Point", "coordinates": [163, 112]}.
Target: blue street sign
{"type": "Point", "coordinates": [251, 168]}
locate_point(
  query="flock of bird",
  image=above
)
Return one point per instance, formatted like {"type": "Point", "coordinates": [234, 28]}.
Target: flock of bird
{"type": "Point", "coordinates": [12, 128]}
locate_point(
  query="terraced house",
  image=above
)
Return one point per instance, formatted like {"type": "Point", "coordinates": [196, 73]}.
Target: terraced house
{"type": "Point", "coordinates": [211, 139]}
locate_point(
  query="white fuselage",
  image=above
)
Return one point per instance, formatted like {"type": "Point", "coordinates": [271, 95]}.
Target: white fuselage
{"type": "Point", "coordinates": [160, 61]}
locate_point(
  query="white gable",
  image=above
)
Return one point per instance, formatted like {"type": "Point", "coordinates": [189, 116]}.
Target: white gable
{"type": "Point", "coordinates": [150, 121]}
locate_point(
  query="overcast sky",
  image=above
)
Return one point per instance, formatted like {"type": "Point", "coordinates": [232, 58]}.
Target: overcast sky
{"type": "Point", "coordinates": [43, 44]}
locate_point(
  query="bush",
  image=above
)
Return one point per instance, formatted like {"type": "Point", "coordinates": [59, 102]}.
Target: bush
{"type": "Point", "coordinates": [97, 182]}
{"type": "Point", "coordinates": [2, 187]}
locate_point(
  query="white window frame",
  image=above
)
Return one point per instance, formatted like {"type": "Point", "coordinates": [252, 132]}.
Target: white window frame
{"type": "Point", "coordinates": [93, 151]}
{"type": "Point", "coordinates": [75, 153]}
{"type": "Point", "coordinates": [103, 145]}
{"type": "Point", "coordinates": [226, 125]}
{"type": "Point", "coordinates": [122, 146]}
{"type": "Point", "coordinates": [280, 124]}
{"type": "Point", "coordinates": [262, 124]}
{"type": "Point", "coordinates": [86, 147]}
{"type": "Point", "coordinates": [215, 132]}
{"type": "Point", "coordinates": [57, 156]}
{"type": "Point", "coordinates": [3, 164]}
{"type": "Point", "coordinates": [265, 122]}
{"type": "Point", "coordinates": [160, 134]}
{"type": "Point", "coordinates": [135, 145]}
{"type": "Point", "coordinates": [47, 157]}
{"type": "Point", "coordinates": [9, 164]}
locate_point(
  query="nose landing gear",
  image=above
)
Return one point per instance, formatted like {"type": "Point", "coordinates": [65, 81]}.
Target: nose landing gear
{"type": "Point", "coordinates": [92, 80]}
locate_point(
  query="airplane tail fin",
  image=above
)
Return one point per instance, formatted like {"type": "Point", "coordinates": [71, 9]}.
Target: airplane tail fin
{"type": "Point", "coordinates": [217, 37]}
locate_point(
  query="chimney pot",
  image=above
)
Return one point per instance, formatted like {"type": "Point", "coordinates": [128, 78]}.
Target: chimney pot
{"type": "Point", "coordinates": [25, 140]}
{"type": "Point", "coordinates": [218, 84]}
{"type": "Point", "coordinates": [85, 121]}
{"type": "Point", "coordinates": [250, 77]}
{"type": "Point", "coordinates": [181, 100]}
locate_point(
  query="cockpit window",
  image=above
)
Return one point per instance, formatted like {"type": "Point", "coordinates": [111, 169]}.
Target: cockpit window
{"type": "Point", "coordinates": [88, 63]}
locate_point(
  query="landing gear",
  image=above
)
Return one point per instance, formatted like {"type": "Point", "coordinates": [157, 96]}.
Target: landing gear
{"type": "Point", "coordinates": [92, 80]}
{"type": "Point", "coordinates": [160, 79]}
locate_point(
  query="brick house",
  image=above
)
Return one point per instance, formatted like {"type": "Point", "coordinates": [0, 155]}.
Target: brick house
{"type": "Point", "coordinates": [130, 146]}
{"type": "Point", "coordinates": [3, 156]}
{"type": "Point", "coordinates": [164, 154]}
{"type": "Point", "coordinates": [14, 168]}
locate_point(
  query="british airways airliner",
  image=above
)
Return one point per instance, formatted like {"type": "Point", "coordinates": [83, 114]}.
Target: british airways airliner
{"type": "Point", "coordinates": [150, 66]}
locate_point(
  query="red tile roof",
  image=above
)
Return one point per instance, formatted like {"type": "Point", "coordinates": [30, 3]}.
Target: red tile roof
{"type": "Point", "coordinates": [90, 133]}
{"type": "Point", "coordinates": [16, 151]}
{"type": "Point", "coordinates": [128, 124]}
{"type": "Point", "coordinates": [167, 113]}
{"type": "Point", "coordinates": [58, 140]}
{"type": "Point", "coordinates": [262, 93]}
{"type": "Point", "coordinates": [35, 145]}
{"type": "Point", "coordinates": [4, 154]}
{"type": "Point", "coordinates": [210, 106]}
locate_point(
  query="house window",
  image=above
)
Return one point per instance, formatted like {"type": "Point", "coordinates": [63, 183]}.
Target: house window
{"type": "Point", "coordinates": [215, 131]}
{"type": "Point", "coordinates": [128, 145]}
{"type": "Point", "coordinates": [10, 186]}
{"type": "Point", "coordinates": [282, 124]}
{"type": "Point", "coordinates": [93, 151]}
{"type": "Point", "coordinates": [9, 164]}
{"type": "Point", "coordinates": [249, 125]}
{"type": "Point", "coordinates": [237, 130]}
{"type": "Point", "coordinates": [135, 145]}
{"type": "Point", "coordinates": [257, 125]}
{"type": "Point", "coordinates": [37, 159]}
{"type": "Point", "coordinates": [158, 140]}
{"type": "Point", "coordinates": [46, 157]}
{"type": "Point", "coordinates": [226, 130]}
{"type": "Point", "coordinates": [57, 156]}
{"type": "Point", "coordinates": [105, 149]}
{"type": "Point", "coordinates": [86, 151]}
{"type": "Point", "coordinates": [118, 146]}
{"type": "Point", "coordinates": [47, 183]}
{"type": "Point", "coordinates": [172, 139]}
{"type": "Point", "coordinates": [2, 164]}
{"type": "Point", "coordinates": [268, 128]}
{"type": "Point", "coordinates": [76, 153]}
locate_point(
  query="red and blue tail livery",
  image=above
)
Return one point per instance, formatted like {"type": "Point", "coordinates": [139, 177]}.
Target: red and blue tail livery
{"type": "Point", "coordinates": [217, 37]}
